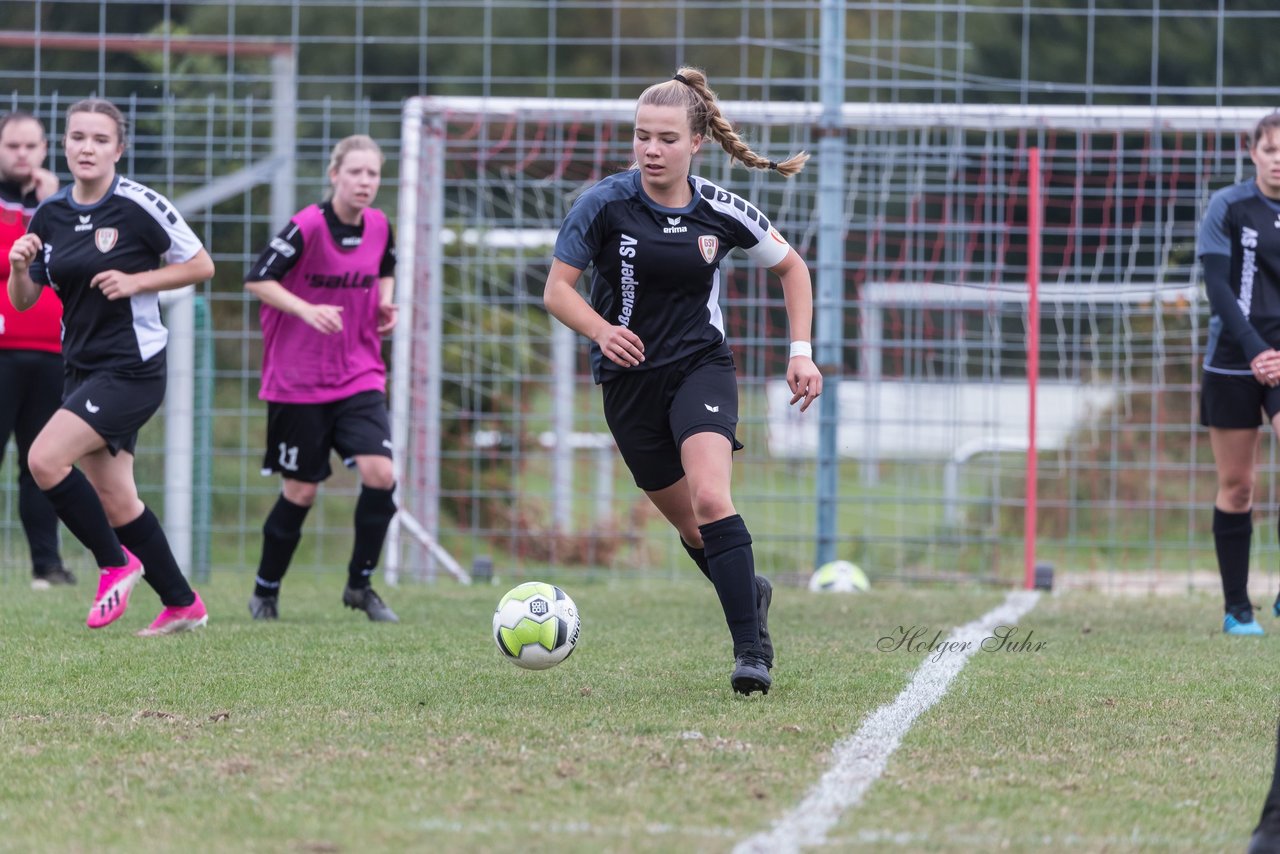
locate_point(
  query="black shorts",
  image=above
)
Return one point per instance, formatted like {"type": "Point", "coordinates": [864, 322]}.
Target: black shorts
{"type": "Point", "coordinates": [651, 413]}
{"type": "Point", "coordinates": [115, 405]}
{"type": "Point", "coordinates": [1236, 402]}
{"type": "Point", "coordinates": [301, 435]}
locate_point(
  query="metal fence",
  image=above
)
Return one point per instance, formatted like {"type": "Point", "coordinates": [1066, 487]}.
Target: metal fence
{"type": "Point", "coordinates": [249, 98]}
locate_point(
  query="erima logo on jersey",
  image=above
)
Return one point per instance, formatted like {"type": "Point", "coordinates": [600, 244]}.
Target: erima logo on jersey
{"type": "Point", "coordinates": [282, 246]}
{"type": "Point", "coordinates": [352, 240]}
{"type": "Point", "coordinates": [85, 225]}
{"type": "Point", "coordinates": [711, 408]}
{"type": "Point", "coordinates": [88, 404]}
{"type": "Point", "coordinates": [674, 226]}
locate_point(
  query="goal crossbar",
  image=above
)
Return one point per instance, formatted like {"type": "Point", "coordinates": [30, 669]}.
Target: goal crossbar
{"type": "Point", "coordinates": [869, 115]}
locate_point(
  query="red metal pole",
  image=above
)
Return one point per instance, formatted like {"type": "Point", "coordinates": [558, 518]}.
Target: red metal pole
{"type": "Point", "coordinates": [1033, 358]}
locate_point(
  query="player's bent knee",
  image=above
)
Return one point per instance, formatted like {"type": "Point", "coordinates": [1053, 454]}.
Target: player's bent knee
{"type": "Point", "coordinates": [712, 507]}
{"type": "Point", "coordinates": [121, 509]}
{"type": "Point", "coordinates": [300, 492]}
{"type": "Point", "coordinates": [1235, 495]}
{"type": "Point", "coordinates": [47, 471]}
{"type": "Point", "coordinates": [376, 472]}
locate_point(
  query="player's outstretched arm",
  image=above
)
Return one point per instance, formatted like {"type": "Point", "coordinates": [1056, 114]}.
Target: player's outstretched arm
{"type": "Point", "coordinates": [23, 292]}
{"type": "Point", "coordinates": [561, 297]}
{"type": "Point", "coordinates": [803, 377]}
{"type": "Point", "coordinates": [388, 311]}
{"type": "Point", "coordinates": [325, 319]}
{"type": "Point", "coordinates": [117, 285]}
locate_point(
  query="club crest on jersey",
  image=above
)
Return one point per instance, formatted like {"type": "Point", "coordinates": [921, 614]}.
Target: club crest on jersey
{"type": "Point", "coordinates": [708, 245]}
{"type": "Point", "coordinates": [105, 239]}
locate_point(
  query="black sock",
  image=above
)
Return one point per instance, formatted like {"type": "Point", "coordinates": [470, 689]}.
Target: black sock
{"type": "Point", "coordinates": [1232, 533]}
{"type": "Point", "coordinates": [1270, 821]}
{"type": "Point", "coordinates": [699, 557]}
{"type": "Point", "coordinates": [731, 565]}
{"type": "Point", "coordinates": [80, 509]}
{"type": "Point", "coordinates": [281, 534]}
{"type": "Point", "coordinates": [145, 538]}
{"type": "Point", "coordinates": [375, 508]}
{"type": "Point", "coordinates": [39, 522]}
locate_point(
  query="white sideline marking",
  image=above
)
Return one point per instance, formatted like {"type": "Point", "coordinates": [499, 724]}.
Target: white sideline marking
{"type": "Point", "coordinates": [859, 760]}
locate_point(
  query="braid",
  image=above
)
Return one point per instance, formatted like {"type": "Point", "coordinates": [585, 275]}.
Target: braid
{"type": "Point", "coordinates": [706, 119]}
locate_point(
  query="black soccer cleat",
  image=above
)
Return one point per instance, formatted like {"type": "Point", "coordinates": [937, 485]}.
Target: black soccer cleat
{"type": "Point", "coordinates": [750, 674]}
{"type": "Point", "coordinates": [264, 607]}
{"type": "Point", "coordinates": [45, 577]}
{"type": "Point", "coordinates": [1265, 841]}
{"type": "Point", "coordinates": [764, 596]}
{"type": "Point", "coordinates": [364, 599]}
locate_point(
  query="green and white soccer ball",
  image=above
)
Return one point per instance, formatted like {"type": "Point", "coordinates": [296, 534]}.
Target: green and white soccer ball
{"type": "Point", "coordinates": [536, 625]}
{"type": "Point", "coordinates": [839, 576]}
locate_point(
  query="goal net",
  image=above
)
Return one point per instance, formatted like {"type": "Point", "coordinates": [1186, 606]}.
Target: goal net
{"type": "Point", "coordinates": [505, 455]}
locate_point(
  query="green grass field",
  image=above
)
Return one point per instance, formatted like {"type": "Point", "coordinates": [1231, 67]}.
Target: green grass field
{"type": "Point", "coordinates": [1137, 727]}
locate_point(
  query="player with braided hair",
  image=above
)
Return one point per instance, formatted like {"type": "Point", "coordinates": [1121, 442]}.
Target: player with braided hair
{"type": "Point", "coordinates": [656, 236]}
{"type": "Point", "coordinates": [706, 120]}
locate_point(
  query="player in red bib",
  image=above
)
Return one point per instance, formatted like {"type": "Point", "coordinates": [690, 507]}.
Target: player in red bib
{"type": "Point", "coordinates": [30, 342]}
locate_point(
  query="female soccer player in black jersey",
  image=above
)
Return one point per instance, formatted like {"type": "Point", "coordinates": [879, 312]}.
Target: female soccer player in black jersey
{"type": "Point", "coordinates": [1239, 249]}
{"type": "Point", "coordinates": [107, 245]}
{"type": "Point", "coordinates": [656, 235]}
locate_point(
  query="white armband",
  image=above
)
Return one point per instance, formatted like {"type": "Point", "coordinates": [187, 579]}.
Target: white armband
{"type": "Point", "coordinates": [801, 348]}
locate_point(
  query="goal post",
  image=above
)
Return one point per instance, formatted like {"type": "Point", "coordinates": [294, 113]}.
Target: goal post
{"type": "Point", "coordinates": [494, 416]}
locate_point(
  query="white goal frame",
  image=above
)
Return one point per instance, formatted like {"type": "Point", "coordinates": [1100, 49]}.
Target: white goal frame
{"type": "Point", "coordinates": [421, 197]}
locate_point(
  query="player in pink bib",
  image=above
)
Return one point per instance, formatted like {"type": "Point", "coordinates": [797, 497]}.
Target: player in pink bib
{"type": "Point", "coordinates": [326, 282]}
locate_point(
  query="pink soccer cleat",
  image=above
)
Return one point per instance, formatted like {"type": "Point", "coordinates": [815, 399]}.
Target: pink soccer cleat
{"type": "Point", "coordinates": [114, 586]}
{"type": "Point", "coordinates": [173, 620]}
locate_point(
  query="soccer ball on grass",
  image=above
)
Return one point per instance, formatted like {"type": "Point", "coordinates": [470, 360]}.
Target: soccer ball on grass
{"type": "Point", "coordinates": [536, 625]}
{"type": "Point", "coordinates": [839, 576]}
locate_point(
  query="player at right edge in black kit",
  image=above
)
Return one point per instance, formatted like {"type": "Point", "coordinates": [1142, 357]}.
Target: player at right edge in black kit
{"type": "Point", "coordinates": [1239, 249]}
{"type": "Point", "coordinates": [656, 236]}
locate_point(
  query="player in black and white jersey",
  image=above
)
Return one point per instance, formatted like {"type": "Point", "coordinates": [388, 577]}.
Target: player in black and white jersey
{"type": "Point", "coordinates": [107, 246]}
{"type": "Point", "coordinates": [656, 236]}
{"type": "Point", "coordinates": [1239, 249]}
